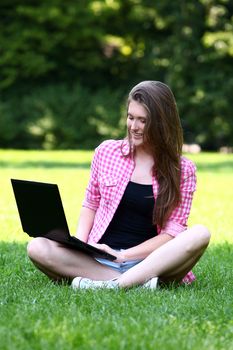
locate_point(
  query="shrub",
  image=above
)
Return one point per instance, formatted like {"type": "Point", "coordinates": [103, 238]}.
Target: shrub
{"type": "Point", "coordinates": [60, 116]}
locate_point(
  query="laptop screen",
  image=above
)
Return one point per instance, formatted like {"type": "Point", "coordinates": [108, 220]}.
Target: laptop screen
{"type": "Point", "coordinates": [40, 207]}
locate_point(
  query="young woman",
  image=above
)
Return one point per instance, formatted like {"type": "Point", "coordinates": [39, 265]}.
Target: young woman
{"type": "Point", "coordinates": [136, 205]}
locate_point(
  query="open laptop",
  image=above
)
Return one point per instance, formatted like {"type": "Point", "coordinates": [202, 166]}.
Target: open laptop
{"type": "Point", "coordinates": [42, 215]}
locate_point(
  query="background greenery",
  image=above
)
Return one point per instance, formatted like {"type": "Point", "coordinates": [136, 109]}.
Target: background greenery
{"type": "Point", "coordinates": [37, 314]}
{"type": "Point", "coordinates": [66, 68]}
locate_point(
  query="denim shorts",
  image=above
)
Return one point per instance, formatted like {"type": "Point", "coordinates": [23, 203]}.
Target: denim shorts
{"type": "Point", "coordinates": [121, 267]}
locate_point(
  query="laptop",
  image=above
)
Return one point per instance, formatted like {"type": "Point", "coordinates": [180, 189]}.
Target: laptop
{"type": "Point", "coordinates": [42, 215]}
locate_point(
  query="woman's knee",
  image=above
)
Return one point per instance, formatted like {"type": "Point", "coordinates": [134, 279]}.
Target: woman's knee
{"type": "Point", "coordinates": [36, 249]}
{"type": "Point", "coordinates": [203, 234]}
{"type": "Point", "coordinates": [200, 238]}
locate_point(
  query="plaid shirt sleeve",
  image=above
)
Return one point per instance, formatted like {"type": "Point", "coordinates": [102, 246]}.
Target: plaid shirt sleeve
{"type": "Point", "coordinates": [92, 195]}
{"type": "Point", "coordinates": [179, 217]}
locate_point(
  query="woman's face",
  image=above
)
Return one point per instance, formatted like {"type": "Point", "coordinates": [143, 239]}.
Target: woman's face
{"type": "Point", "coordinates": [136, 120]}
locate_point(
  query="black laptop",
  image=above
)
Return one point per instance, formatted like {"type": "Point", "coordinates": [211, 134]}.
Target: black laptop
{"type": "Point", "coordinates": [42, 215]}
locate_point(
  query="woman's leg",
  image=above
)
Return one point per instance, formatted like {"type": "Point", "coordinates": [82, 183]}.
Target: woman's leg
{"type": "Point", "coordinates": [59, 262]}
{"type": "Point", "coordinates": [171, 261]}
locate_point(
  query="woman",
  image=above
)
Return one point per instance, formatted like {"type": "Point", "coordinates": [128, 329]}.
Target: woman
{"type": "Point", "coordinates": [136, 205]}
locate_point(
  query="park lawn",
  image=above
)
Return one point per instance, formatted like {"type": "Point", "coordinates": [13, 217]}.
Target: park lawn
{"type": "Point", "coordinates": [38, 314]}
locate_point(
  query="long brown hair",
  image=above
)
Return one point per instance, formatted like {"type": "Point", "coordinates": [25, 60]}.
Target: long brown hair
{"type": "Point", "coordinates": [164, 135]}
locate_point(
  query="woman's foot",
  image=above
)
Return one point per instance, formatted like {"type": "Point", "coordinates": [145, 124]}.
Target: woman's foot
{"type": "Point", "coordinates": [87, 283]}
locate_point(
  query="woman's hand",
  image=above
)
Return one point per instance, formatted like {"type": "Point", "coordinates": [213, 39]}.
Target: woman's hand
{"type": "Point", "coordinates": [119, 255]}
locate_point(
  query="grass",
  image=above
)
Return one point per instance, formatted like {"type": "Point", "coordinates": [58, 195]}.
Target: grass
{"type": "Point", "coordinates": [37, 314]}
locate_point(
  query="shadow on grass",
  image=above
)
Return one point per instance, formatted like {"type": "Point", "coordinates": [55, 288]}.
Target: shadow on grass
{"type": "Point", "coordinates": [221, 166]}
{"type": "Point", "coordinates": [44, 164]}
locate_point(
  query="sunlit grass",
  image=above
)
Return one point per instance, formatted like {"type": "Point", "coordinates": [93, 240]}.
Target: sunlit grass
{"type": "Point", "coordinates": [70, 170]}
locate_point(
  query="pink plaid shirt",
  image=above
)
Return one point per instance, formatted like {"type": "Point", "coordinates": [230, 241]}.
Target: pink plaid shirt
{"type": "Point", "coordinates": [110, 174]}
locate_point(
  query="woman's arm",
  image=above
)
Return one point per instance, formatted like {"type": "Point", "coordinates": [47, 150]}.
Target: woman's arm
{"type": "Point", "coordinates": [85, 223]}
{"type": "Point", "coordinates": [90, 202]}
{"type": "Point", "coordinates": [140, 251]}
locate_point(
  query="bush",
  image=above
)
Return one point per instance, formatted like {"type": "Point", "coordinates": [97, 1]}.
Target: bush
{"type": "Point", "coordinates": [60, 116]}
{"type": "Point", "coordinates": [113, 44]}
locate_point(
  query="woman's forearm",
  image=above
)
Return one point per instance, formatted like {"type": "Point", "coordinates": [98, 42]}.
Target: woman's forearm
{"type": "Point", "coordinates": [142, 250]}
{"type": "Point", "coordinates": [85, 223]}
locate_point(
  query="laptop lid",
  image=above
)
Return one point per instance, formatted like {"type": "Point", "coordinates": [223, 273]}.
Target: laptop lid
{"type": "Point", "coordinates": [40, 207]}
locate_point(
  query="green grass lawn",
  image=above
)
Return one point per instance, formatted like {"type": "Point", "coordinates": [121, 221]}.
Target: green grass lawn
{"type": "Point", "coordinates": [37, 314]}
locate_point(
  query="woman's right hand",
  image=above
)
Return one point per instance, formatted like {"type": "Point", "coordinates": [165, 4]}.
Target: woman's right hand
{"type": "Point", "coordinates": [118, 254]}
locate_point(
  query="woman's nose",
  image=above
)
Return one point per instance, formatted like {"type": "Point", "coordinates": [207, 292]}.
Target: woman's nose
{"type": "Point", "coordinates": [134, 124]}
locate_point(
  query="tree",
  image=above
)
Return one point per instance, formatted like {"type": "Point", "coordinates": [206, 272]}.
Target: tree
{"type": "Point", "coordinates": [105, 47]}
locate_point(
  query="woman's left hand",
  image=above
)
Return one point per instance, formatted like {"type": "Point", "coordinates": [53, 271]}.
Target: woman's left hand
{"type": "Point", "coordinates": [119, 255]}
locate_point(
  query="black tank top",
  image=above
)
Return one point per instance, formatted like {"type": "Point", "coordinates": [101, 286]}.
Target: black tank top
{"type": "Point", "coordinates": [132, 221]}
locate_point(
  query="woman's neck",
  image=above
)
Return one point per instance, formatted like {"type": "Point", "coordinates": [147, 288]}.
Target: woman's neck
{"type": "Point", "coordinates": [142, 152]}
{"type": "Point", "coordinates": [144, 163]}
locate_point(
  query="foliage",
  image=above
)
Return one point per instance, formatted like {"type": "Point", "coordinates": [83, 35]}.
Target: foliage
{"type": "Point", "coordinates": [61, 116]}
{"type": "Point", "coordinates": [111, 45]}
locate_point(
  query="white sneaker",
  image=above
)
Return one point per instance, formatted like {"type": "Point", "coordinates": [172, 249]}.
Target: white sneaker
{"type": "Point", "coordinates": [152, 283]}
{"type": "Point", "coordinates": [87, 283]}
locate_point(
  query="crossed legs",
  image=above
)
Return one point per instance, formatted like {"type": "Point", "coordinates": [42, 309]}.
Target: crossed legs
{"type": "Point", "coordinates": [59, 262]}
{"type": "Point", "coordinates": [170, 262]}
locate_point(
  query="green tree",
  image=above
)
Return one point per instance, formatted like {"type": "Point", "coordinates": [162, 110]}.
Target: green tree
{"type": "Point", "coordinates": [104, 47]}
